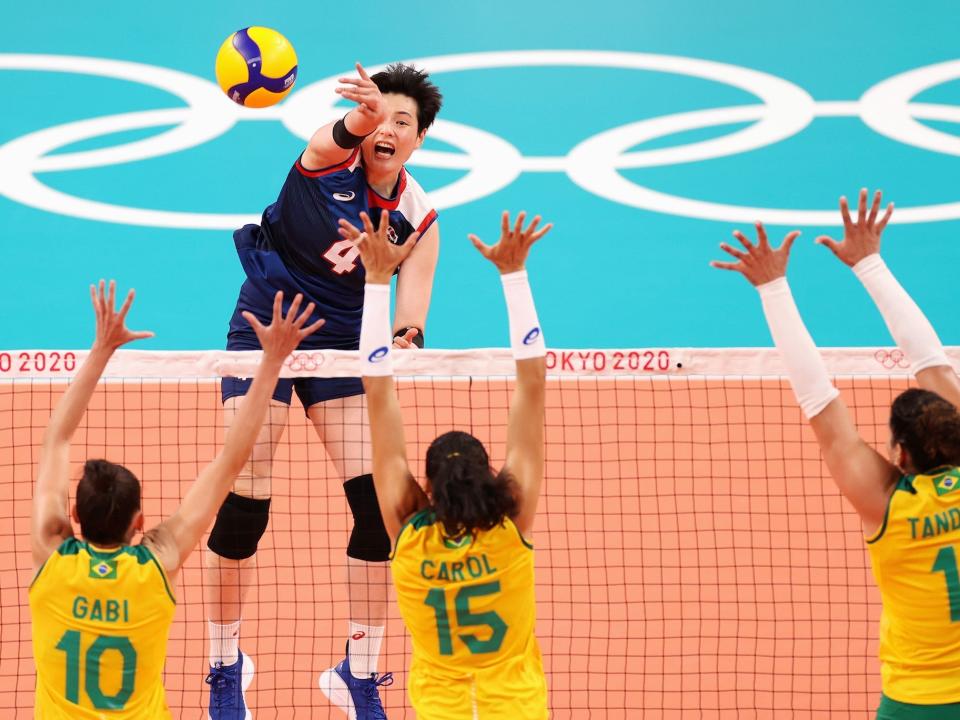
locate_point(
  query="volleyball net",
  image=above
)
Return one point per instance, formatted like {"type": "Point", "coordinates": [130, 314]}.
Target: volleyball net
{"type": "Point", "coordinates": [694, 559]}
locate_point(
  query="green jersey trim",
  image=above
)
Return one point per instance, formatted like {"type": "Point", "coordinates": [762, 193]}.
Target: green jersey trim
{"type": "Point", "coordinates": [37, 575]}
{"type": "Point", "coordinates": [163, 574]}
{"type": "Point", "coordinates": [891, 709]}
{"type": "Point", "coordinates": [527, 543]}
{"type": "Point", "coordinates": [417, 520]}
{"type": "Point", "coordinates": [905, 483]}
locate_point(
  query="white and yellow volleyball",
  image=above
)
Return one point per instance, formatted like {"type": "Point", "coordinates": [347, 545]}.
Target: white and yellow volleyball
{"type": "Point", "coordinates": [256, 67]}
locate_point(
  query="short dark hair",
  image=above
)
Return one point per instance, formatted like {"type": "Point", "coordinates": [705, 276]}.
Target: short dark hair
{"type": "Point", "coordinates": [928, 426]}
{"type": "Point", "coordinates": [407, 80]}
{"type": "Point", "coordinates": [466, 493]}
{"type": "Point", "coordinates": [108, 496]}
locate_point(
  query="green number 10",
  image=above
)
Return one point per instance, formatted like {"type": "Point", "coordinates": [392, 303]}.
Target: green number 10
{"type": "Point", "coordinates": [70, 644]}
{"type": "Point", "coordinates": [946, 563]}
{"type": "Point", "coordinates": [437, 599]}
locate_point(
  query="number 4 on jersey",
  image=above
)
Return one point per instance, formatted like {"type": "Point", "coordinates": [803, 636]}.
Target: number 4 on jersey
{"type": "Point", "coordinates": [342, 257]}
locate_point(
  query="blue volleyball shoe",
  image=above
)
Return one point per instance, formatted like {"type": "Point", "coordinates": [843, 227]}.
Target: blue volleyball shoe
{"type": "Point", "coordinates": [358, 698]}
{"type": "Point", "coordinates": [228, 687]}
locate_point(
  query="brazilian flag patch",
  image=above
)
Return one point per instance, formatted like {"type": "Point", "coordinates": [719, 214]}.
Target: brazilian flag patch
{"type": "Point", "coordinates": [101, 569]}
{"type": "Point", "coordinates": [947, 483]}
{"type": "Point", "coordinates": [454, 544]}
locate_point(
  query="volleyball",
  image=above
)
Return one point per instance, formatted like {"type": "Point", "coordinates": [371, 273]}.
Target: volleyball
{"type": "Point", "coordinates": [256, 67]}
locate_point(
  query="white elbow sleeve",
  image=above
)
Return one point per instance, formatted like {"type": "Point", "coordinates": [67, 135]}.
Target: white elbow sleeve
{"type": "Point", "coordinates": [376, 340]}
{"type": "Point", "coordinates": [805, 368]}
{"type": "Point", "coordinates": [909, 327]}
{"type": "Point", "coordinates": [526, 337]}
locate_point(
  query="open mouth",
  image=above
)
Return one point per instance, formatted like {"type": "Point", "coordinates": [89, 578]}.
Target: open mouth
{"type": "Point", "coordinates": [383, 151]}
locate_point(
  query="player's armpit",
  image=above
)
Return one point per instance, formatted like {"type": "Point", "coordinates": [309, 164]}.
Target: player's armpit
{"type": "Point", "coordinates": [50, 521]}
{"type": "Point", "coordinates": [322, 151]}
{"type": "Point", "coordinates": [862, 474]}
{"type": "Point", "coordinates": [943, 380]}
{"type": "Point", "coordinates": [405, 498]}
{"type": "Point", "coordinates": [51, 526]}
{"type": "Point", "coordinates": [163, 545]}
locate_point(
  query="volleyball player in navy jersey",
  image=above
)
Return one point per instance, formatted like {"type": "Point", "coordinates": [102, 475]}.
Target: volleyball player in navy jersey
{"type": "Point", "coordinates": [353, 165]}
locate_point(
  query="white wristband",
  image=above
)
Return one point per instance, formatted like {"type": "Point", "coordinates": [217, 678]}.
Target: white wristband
{"type": "Point", "coordinates": [805, 368]}
{"type": "Point", "coordinates": [526, 338]}
{"type": "Point", "coordinates": [375, 337]}
{"type": "Point", "coordinates": [906, 322]}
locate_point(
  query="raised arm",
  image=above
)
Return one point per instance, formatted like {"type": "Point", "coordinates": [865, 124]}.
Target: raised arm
{"type": "Point", "coordinates": [414, 286]}
{"type": "Point", "coordinates": [864, 476]}
{"type": "Point", "coordinates": [913, 333]}
{"type": "Point", "coordinates": [334, 142]}
{"type": "Point", "coordinates": [524, 458]}
{"type": "Point", "coordinates": [398, 493]}
{"type": "Point", "coordinates": [50, 523]}
{"type": "Point", "coordinates": [175, 538]}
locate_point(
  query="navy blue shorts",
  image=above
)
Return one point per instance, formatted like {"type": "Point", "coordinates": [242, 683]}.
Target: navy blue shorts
{"type": "Point", "coordinates": [310, 390]}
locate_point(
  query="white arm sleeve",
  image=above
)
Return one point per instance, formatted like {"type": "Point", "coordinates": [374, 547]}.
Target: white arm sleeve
{"type": "Point", "coordinates": [375, 337]}
{"type": "Point", "coordinates": [909, 327]}
{"type": "Point", "coordinates": [526, 338]}
{"type": "Point", "coordinates": [805, 368]}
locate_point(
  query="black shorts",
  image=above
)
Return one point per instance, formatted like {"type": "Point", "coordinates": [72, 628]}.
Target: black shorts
{"type": "Point", "coordinates": [310, 390]}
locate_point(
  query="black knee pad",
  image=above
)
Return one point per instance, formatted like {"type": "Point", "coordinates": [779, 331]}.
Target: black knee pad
{"type": "Point", "coordinates": [369, 540]}
{"type": "Point", "coordinates": [241, 522]}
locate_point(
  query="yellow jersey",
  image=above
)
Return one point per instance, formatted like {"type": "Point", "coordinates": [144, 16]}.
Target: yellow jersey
{"type": "Point", "coordinates": [470, 608]}
{"type": "Point", "coordinates": [100, 626]}
{"type": "Point", "coordinates": [915, 557]}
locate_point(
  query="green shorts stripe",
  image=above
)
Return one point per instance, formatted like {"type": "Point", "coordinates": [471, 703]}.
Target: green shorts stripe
{"type": "Point", "coordinates": [893, 710]}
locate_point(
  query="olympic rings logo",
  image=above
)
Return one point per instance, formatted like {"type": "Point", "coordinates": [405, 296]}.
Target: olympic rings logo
{"type": "Point", "coordinates": [308, 361]}
{"type": "Point", "coordinates": [891, 359]}
{"type": "Point", "coordinates": [492, 163]}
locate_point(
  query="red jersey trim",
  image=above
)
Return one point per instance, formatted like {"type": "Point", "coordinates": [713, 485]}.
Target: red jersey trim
{"type": "Point", "coordinates": [375, 200]}
{"type": "Point", "coordinates": [429, 220]}
{"type": "Point", "coordinates": [330, 168]}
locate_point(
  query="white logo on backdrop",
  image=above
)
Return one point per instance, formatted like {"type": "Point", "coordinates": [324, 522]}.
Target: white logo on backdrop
{"type": "Point", "coordinates": [491, 162]}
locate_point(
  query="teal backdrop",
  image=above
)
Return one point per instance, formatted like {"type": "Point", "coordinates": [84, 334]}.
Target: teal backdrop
{"type": "Point", "coordinates": [612, 274]}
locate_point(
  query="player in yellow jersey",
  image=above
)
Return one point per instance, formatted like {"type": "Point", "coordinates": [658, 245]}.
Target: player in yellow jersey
{"type": "Point", "coordinates": [462, 567]}
{"type": "Point", "coordinates": [909, 504]}
{"type": "Point", "coordinates": [102, 607]}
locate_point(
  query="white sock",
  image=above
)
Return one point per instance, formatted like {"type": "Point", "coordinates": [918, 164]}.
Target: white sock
{"type": "Point", "coordinates": [363, 649]}
{"type": "Point", "coordinates": [224, 643]}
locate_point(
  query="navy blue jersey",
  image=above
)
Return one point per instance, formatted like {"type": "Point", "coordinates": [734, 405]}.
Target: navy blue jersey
{"type": "Point", "coordinates": [296, 247]}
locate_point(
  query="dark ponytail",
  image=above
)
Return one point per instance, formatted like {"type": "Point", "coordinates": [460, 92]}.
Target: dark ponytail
{"type": "Point", "coordinates": [108, 497]}
{"type": "Point", "coordinates": [467, 495]}
{"type": "Point", "coordinates": [928, 427]}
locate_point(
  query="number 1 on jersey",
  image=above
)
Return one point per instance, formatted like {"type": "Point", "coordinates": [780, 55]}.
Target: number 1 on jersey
{"type": "Point", "coordinates": [946, 563]}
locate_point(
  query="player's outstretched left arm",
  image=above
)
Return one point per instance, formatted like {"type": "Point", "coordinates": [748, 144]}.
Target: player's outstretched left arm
{"type": "Point", "coordinates": [864, 476]}
{"type": "Point", "coordinates": [334, 142]}
{"type": "Point", "coordinates": [50, 523]}
{"type": "Point", "coordinates": [525, 453]}
{"type": "Point", "coordinates": [174, 539]}
{"type": "Point", "coordinates": [397, 492]}
{"type": "Point", "coordinates": [913, 333]}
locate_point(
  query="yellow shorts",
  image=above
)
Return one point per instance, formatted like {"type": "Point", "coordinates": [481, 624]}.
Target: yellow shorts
{"type": "Point", "coordinates": [513, 690]}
